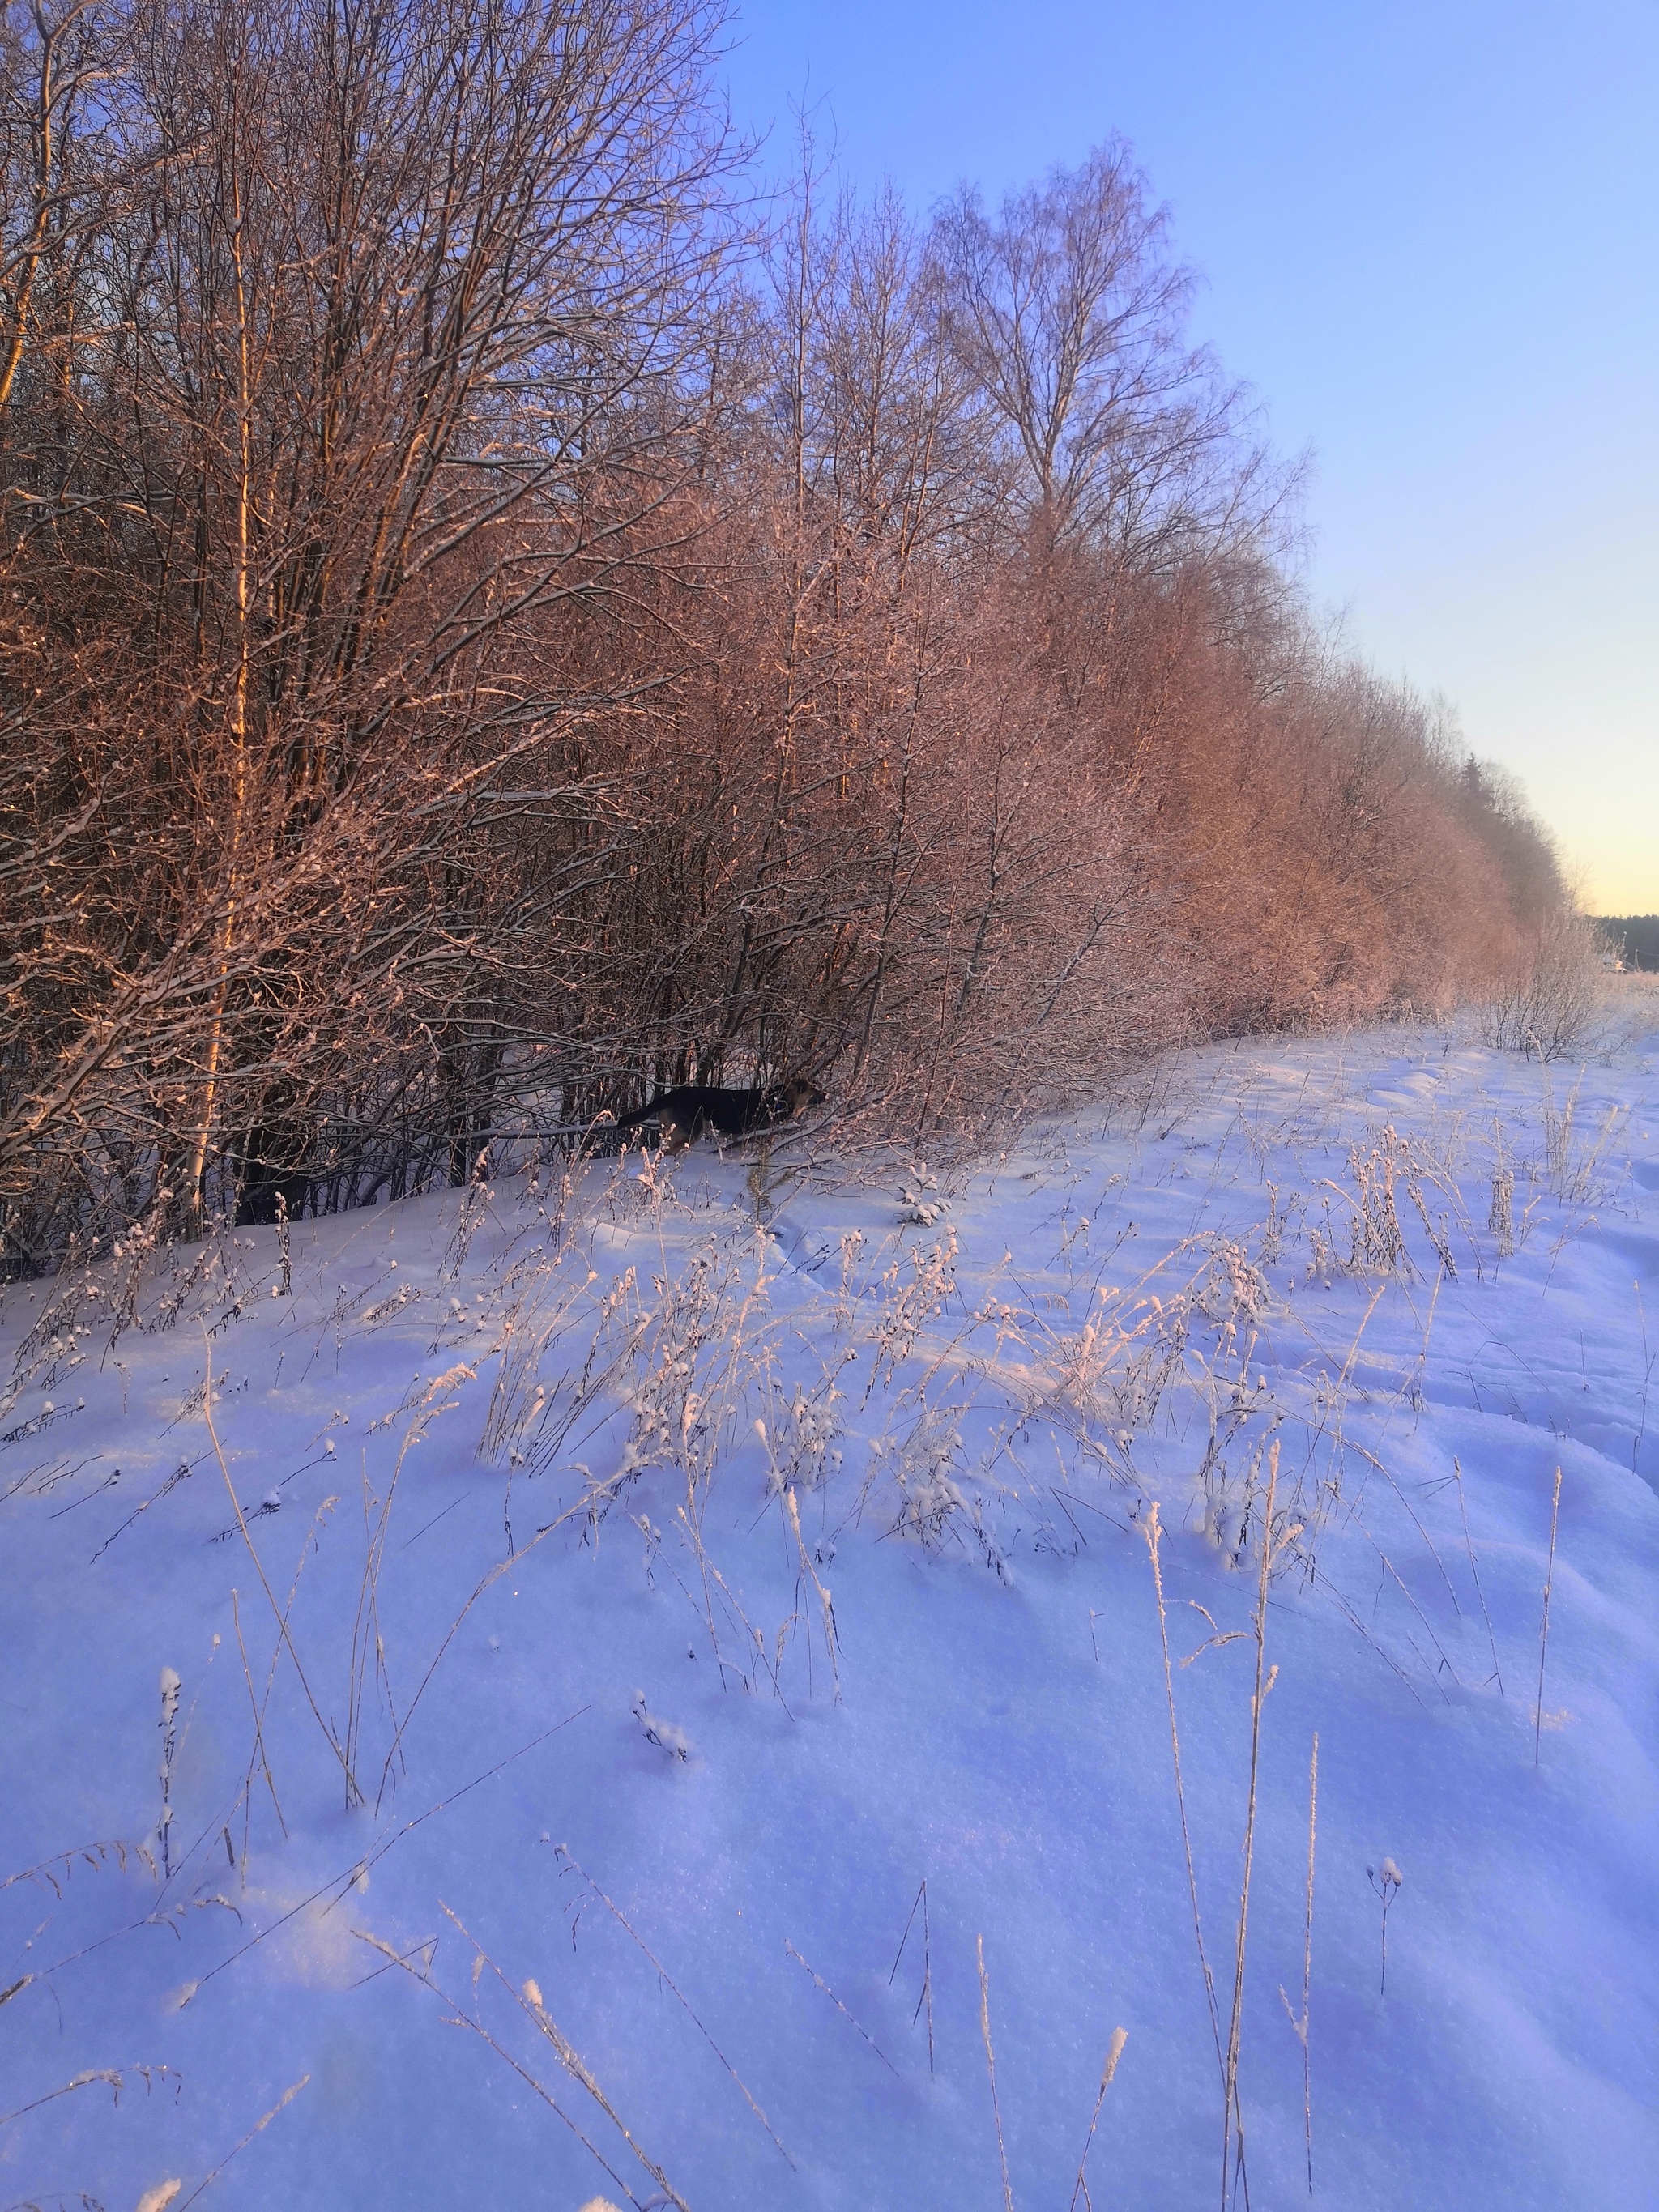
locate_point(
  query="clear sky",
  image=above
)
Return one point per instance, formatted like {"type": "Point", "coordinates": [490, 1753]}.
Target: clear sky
{"type": "Point", "coordinates": [1430, 234]}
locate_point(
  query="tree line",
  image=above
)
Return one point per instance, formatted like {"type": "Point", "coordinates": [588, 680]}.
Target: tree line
{"type": "Point", "coordinates": [498, 615]}
{"type": "Point", "coordinates": [1632, 938]}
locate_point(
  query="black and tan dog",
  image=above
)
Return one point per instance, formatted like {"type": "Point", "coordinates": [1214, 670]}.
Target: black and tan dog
{"type": "Point", "coordinates": [686, 1111]}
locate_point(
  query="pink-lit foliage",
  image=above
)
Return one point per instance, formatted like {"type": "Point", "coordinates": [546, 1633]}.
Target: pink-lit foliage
{"type": "Point", "coordinates": [480, 636]}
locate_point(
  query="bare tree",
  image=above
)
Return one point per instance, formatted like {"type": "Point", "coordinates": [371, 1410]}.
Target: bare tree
{"type": "Point", "coordinates": [477, 643]}
{"type": "Point", "coordinates": [388, 364]}
{"type": "Point", "coordinates": [1068, 313]}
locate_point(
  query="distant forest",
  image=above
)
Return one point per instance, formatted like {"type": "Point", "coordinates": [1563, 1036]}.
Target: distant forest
{"type": "Point", "coordinates": [497, 614]}
{"type": "Point", "coordinates": [1633, 937]}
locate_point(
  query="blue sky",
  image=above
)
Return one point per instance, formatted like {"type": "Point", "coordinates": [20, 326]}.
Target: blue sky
{"type": "Point", "coordinates": [1431, 240]}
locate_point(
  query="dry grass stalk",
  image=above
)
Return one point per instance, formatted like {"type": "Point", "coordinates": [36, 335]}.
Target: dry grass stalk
{"type": "Point", "coordinates": [367, 1645]}
{"type": "Point", "coordinates": [1491, 1641]}
{"type": "Point", "coordinates": [690, 1518]}
{"type": "Point", "coordinates": [529, 2000]}
{"type": "Point", "coordinates": [927, 1976]}
{"type": "Point", "coordinates": [1150, 1530]}
{"type": "Point", "coordinates": [927, 1997]}
{"type": "Point", "coordinates": [1648, 1360]}
{"type": "Point", "coordinates": [1307, 1957]}
{"type": "Point", "coordinates": [1500, 1215]}
{"type": "Point", "coordinates": [825, 1608]}
{"type": "Point", "coordinates": [842, 2008]}
{"type": "Point", "coordinates": [258, 1756]}
{"type": "Point", "coordinates": [1436, 1236]}
{"type": "Point", "coordinates": [518, 1398]}
{"type": "Point", "coordinates": [486, 1581]}
{"type": "Point", "coordinates": [172, 1687]}
{"type": "Point", "coordinates": [1415, 1519]}
{"type": "Point", "coordinates": [458, 2016]}
{"type": "Point", "coordinates": [1300, 2024]}
{"type": "Point", "coordinates": [1232, 2140]}
{"type": "Point", "coordinates": [1404, 1588]}
{"type": "Point", "coordinates": [1080, 2187]}
{"type": "Point", "coordinates": [337, 1888]}
{"type": "Point", "coordinates": [991, 2068]}
{"type": "Point", "coordinates": [285, 2100]}
{"type": "Point", "coordinates": [668, 1981]}
{"type": "Point", "coordinates": [768, 1662]}
{"type": "Point", "coordinates": [51, 1872]}
{"type": "Point", "coordinates": [1544, 1629]}
{"type": "Point", "coordinates": [1376, 1239]}
{"type": "Point", "coordinates": [354, 1795]}
{"type": "Point", "coordinates": [114, 2078]}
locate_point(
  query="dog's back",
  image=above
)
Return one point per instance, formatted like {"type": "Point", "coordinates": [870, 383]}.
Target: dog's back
{"type": "Point", "coordinates": [684, 1112]}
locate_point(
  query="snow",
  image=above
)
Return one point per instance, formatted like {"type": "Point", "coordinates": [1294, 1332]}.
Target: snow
{"type": "Point", "coordinates": [683, 1592]}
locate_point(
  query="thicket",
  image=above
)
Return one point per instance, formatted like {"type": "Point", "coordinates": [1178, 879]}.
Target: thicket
{"type": "Point", "coordinates": [1632, 938]}
{"type": "Point", "coordinates": [488, 624]}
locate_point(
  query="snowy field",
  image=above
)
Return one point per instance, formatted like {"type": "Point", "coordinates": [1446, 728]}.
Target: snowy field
{"type": "Point", "coordinates": [582, 1637]}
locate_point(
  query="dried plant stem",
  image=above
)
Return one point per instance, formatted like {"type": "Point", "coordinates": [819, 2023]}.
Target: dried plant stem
{"type": "Point", "coordinates": [258, 1756]}
{"type": "Point", "coordinates": [111, 2076]}
{"type": "Point", "coordinates": [841, 2010]}
{"type": "Point", "coordinates": [1299, 2026]}
{"type": "Point", "coordinates": [926, 1975]}
{"type": "Point", "coordinates": [354, 1795]}
{"type": "Point", "coordinates": [927, 1997]}
{"type": "Point", "coordinates": [1385, 1880]}
{"type": "Point", "coordinates": [690, 1518]}
{"type": "Point", "coordinates": [529, 2001]}
{"type": "Point", "coordinates": [1404, 1588]}
{"type": "Point", "coordinates": [756, 1640]}
{"type": "Point", "coordinates": [991, 2068]}
{"type": "Point", "coordinates": [171, 1687]}
{"type": "Point", "coordinates": [1232, 2141]}
{"type": "Point", "coordinates": [1307, 1957]}
{"type": "Point", "coordinates": [459, 2017]}
{"type": "Point", "coordinates": [486, 1581]}
{"type": "Point", "coordinates": [367, 1642]}
{"type": "Point", "coordinates": [905, 1937]}
{"type": "Point", "coordinates": [287, 2097]}
{"type": "Point", "coordinates": [1491, 1641]}
{"type": "Point", "coordinates": [1544, 1629]}
{"type": "Point", "coordinates": [1080, 2187]}
{"type": "Point", "coordinates": [825, 1607]}
{"type": "Point", "coordinates": [342, 1882]}
{"type": "Point", "coordinates": [622, 1920]}
{"type": "Point", "coordinates": [1150, 1530]}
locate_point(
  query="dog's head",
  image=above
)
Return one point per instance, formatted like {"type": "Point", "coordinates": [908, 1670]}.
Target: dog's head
{"type": "Point", "coordinates": [800, 1093]}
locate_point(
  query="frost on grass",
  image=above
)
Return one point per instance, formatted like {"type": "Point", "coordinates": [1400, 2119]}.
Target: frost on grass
{"type": "Point", "coordinates": [667, 1736]}
{"type": "Point", "coordinates": [1321, 1327]}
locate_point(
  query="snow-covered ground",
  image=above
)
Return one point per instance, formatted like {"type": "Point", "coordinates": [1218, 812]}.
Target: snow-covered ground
{"type": "Point", "coordinates": [601, 1614]}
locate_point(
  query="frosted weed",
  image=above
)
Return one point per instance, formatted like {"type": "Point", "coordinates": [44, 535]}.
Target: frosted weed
{"type": "Point", "coordinates": [1386, 1881]}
